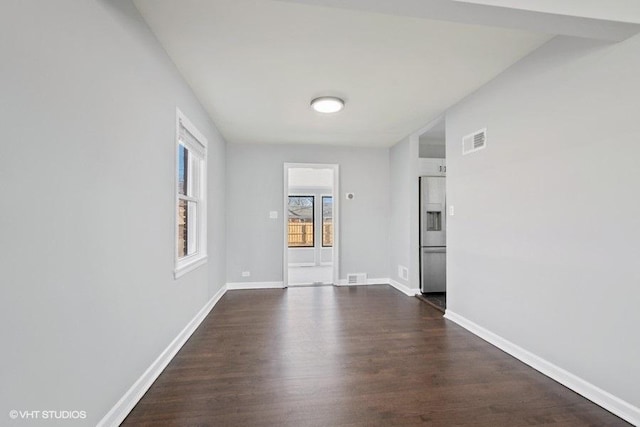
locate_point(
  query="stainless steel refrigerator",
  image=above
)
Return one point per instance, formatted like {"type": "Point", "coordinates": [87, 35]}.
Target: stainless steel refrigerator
{"type": "Point", "coordinates": [433, 235]}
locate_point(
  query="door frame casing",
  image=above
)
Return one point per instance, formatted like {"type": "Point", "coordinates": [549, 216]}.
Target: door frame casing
{"type": "Point", "coordinates": [336, 217]}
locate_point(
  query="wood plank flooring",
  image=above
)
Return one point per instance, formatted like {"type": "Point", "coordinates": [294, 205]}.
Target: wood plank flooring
{"type": "Point", "coordinates": [349, 356]}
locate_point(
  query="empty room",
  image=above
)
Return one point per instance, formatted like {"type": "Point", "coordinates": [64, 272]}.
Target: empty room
{"type": "Point", "coordinates": [319, 213]}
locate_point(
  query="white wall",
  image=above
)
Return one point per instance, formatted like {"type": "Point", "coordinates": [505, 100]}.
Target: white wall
{"type": "Point", "coordinates": [404, 224]}
{"type": "Point", "coordinates": [434, 149]}
{"type": "Point", "coordinates": [88, 299]}
{"type": "Point", "coordinates": [309, 177]}
{"type": "Point", "coordinates": [543, 248]}
{"type": "Point", "coordinates": [255, 187]}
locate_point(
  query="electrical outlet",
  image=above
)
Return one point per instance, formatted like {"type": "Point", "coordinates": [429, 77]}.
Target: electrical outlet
{"type": "Point", "coordinates": [273, 214]}
{"type": "Point", "coordinates": [246, 273]}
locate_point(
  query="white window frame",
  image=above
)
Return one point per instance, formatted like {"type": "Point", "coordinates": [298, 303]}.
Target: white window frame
{"type": "Point", "coordinates": [322, 197]}
{"type": "Point", "coordinates": [199, 150]}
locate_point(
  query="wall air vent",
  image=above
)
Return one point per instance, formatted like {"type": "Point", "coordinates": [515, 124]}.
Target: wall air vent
{"type": "Point", "coordinates": [357, 279]}
{"type": "Point", "coordinates": [474, 141]}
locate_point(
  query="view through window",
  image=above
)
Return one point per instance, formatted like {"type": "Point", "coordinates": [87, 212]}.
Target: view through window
{"type": "Point", "coordinates": [189, 200]}
{"type": "Point", "coordinates": [300, 221]}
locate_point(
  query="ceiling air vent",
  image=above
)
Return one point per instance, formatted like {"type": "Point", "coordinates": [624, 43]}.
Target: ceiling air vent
{"type": "Point", "coordinates": [474, 141]}
{"type": "Point", "coordinates": [357, 279]}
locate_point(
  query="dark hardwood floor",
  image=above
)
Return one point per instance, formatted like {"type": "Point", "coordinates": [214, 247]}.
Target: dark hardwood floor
{"type": "Point", "coordinates": [350, 356]}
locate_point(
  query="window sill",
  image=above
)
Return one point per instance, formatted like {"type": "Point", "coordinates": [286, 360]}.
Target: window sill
{"type": "Point", "coordinates": [188, 264]}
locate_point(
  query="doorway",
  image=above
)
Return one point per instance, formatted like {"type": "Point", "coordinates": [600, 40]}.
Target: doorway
{"type": "Point", "coordinates": [311, 224]}
{"type": "Point", "coordinates": [433, 215]}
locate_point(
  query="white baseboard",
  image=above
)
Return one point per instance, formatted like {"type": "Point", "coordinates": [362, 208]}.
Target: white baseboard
{"type": "Point", "coordinates": [120, 410]}
{"type": "Point", "coordinates": [600, 397]}
{"type": "Point", "coordinates": [374, 281]}
{"type": "Point", "coordinates": [254, 285]}
{"type": "Point", "coordinates": [378, 281]}
{"type": "Point", "coordinates": [404, 288]}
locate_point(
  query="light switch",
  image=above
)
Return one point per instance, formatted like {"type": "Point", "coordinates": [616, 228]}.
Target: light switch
{"type": "Point", "coordinates": [273, 215]}
{"type": "Point", "coordinates": [451, 211]}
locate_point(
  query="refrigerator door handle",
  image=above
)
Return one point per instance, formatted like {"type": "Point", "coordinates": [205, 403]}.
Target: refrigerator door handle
{"type": "Point", "coordinates": [435, 249]}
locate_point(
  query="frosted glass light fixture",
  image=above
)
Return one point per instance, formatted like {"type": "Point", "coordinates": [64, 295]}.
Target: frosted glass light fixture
{"type": "Point", "coordinates": [327, 104]}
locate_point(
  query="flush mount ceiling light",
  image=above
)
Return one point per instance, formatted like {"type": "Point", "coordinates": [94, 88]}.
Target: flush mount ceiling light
{"type": "Point", "coordinates": [327, 104]}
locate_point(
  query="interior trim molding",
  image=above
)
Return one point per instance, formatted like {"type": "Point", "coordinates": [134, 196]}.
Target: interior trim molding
{"type": "Point", "coordinates": [608, 401]}
{"type": "Point", "coordinates": [128, 401]}
{"type": "Point", "coordinates": [404, 288]}
{"type": "Point", "coordinates": [374, 281]}
{"type": "Point", "coordinates": [254, 285]}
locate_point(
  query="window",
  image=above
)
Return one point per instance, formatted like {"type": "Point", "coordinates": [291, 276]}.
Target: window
{"type": "Point", "coordinates": [327, 221]}
{"type": "Point", "coordinates": [191, 217]}
{"type": "Point", "coordinates": [300, 221]}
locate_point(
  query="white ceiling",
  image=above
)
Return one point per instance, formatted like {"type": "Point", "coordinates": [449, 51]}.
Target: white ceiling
{"type": "Point", "coordinates": [596, 19]}
{"type": "Point", "coordinates": [615, 10]}
{"type": "Point", "coordinates": [256, 64]}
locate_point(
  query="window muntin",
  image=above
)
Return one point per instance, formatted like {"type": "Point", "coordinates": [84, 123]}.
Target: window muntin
{"type": "Point", "coordinates": [190, 197]}
{"type": "Point", "coordinates": [327, 221]}
{"type": "Point", "coordinates": [301, 227]}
